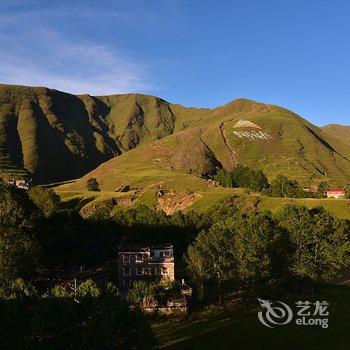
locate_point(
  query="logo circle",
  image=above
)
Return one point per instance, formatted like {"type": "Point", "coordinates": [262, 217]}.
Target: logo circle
{"type": "Point", "coordinates": [277, 314]}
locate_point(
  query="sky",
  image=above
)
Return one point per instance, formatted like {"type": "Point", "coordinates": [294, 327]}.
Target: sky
{"type": "Point", "coordinates": [293, 53]}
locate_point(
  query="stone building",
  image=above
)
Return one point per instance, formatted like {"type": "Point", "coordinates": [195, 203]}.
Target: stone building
{"type": "Point", "coordinates": [145, 263]}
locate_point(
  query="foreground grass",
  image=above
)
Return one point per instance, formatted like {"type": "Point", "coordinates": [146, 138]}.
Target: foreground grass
{"type": "Point", "coordinates": [246, 332]}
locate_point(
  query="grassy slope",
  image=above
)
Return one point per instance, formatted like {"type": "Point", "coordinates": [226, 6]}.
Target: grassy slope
{"type": "Point", "coordinates": [245, 332]}
{"type": "Point", "coordinates": [340, 132]}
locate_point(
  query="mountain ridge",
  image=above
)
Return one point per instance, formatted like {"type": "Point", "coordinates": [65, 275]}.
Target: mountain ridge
{"type": "Point", "coordinates": [342, 132]}
{"type": "Point", "coordinates": [59, 136]}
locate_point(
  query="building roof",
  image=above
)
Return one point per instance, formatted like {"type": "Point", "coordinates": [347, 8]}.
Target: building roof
{"type": "Point", "coordinates": [142, 248]}
{"type": "Point", "coordinates": [335, 189]}
{"type": "Point", "coordinates": [133, 248]}
{"type": "Point", "coordinates": [162, 246]}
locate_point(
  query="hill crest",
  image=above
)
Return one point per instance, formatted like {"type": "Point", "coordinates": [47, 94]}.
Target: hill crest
{"type": "Point", "coordinates": [58, 136]}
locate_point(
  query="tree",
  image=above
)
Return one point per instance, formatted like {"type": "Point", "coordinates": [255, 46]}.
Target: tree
{"type": "Point", "coordinates": [19, 225]}
{"type": "Point", "coordinates": [254, 237]}
{"type": "Point", "coordinates": [321, 243]}
{"type": "Point", "coordinates": [322, 188]}
{"type": "Point", "coordinates": [248, 178]}
{"type": "Point", "coordinates": [92, 184]}
{"type": "Point", "coordinates": [281, 186]}
{"type": "Point", "coordinates": [242, 177]}
{"type": "Point", "coordinates": [224, 178]}
{"type": "Point", "coordinates": [236, 253]}
{"type": "Point", "coordinates": [46, 199]}
{"type": "Point", "coordinates": [59, 292]}
{"type": "Point", "coordinates": [68, 239]}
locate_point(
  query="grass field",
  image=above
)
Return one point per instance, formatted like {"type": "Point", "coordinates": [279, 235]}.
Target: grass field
{"type": "Point", "coordinates": [246, 332]}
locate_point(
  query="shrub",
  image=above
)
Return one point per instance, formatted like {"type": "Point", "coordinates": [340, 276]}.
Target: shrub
{"type": "Point", "coordinates": [142, 293]}
{"type": "Point", "coordinates": [92, 184]}
{"type": "Point", "coordinates": [88, 289]}
{"type": "Point", "coordinates": [45, 199]}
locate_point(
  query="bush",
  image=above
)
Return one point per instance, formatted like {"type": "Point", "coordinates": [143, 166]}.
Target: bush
{"type": "Point", "coordinates": [45, 199]}
{"type": "Point", "coordinates": [88, 289]}
{"type": "Point", "coordinates": [59, 292]}
{"type": "Point", "coordinates": [92, 184]}
{"type": "Point", "coordinates": [142, 293]}
{"type": "Point", "coordinates": [18, 289]}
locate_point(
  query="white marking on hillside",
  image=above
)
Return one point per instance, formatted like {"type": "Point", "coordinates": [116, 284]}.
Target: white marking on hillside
{"type": "Point", "coordinates": [246, 124]}
{"type": "Point", "coordinates": [253, 135]}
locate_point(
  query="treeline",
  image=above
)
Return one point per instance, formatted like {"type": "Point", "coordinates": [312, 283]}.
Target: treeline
{"type": "Point", "coordinates": [256, 181]}
{"type": "Point", "coordinates": [258, 253]}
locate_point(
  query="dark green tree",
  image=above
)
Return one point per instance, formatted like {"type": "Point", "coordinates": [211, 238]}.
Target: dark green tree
{"type": "Point", "coordinates": [224, 178]}
{"type": "Point", "coordinates": [236, 253]}
{"type": "Point", "coordinates": [19, 224]}
{"type": "Point", "coordinates": [322, 188]}
{"type": "Point", "coordinates": [281, 186]}
{"type": "Point", "coordinates": [321, 244]}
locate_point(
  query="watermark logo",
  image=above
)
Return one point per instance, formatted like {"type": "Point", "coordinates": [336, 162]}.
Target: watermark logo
{"type": "Point", "coordinates": [306, 313]}
{"type": "Point", "coordinates": [272, 315]}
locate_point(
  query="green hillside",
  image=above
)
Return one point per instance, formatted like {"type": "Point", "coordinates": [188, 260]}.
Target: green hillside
{"type": "Point", "coordinates": [243, 132]}
{"type": "Point", "coordinates": [341, 132]}
{"type": "Point", "coordinates": [147, 141]}
{"type": "Point", "coordinates": [57, 136]}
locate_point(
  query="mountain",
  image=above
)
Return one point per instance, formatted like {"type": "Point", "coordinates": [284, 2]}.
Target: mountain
{"type": "Point", "coordinates": [138, 140]}
{"type": "Point", "coordinates": [56, 136]}
{"type": "Point", "coordinates": [341, 132]}
{"type": "Point", "coordinates": [260, 136]}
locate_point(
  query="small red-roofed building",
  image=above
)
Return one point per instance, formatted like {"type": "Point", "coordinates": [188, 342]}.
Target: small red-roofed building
{"type": "Point", "coordinates": [336, 193]}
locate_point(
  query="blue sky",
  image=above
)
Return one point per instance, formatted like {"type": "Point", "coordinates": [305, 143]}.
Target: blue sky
{"type": "Point", "coordinates": [292, 53]}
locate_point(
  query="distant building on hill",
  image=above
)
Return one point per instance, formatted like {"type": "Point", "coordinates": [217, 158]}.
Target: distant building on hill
{"type": "Point", "coordinates": [336, 193]}
{"type": "Point", "coordinates": [25, 184]}
{"type": "Point", "coordinates": [145, 263]}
